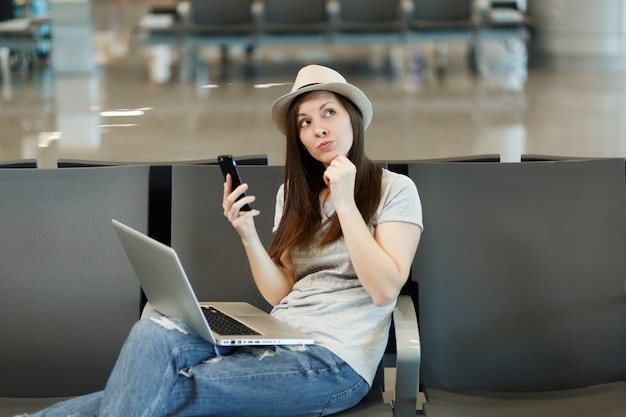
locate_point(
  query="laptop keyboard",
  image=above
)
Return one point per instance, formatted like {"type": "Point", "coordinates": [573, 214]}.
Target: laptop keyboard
{"type": "Point", "coordinates": [226, 325]}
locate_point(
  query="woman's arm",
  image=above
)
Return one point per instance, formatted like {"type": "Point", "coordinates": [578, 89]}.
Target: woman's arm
{"type": "Point", "coordinates": [383, 261]}
{"type": "Point", "coordinates": [273, 282]}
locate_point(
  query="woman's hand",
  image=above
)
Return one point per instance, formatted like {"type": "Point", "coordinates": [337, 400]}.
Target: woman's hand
{"type": "Point", "coordinates": [242, 221]}
{"type": "Point", "coordinates": [340, 176]}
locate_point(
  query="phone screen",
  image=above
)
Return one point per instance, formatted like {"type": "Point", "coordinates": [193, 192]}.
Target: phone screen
{"type": "Point", "coordinates": [229, 166]}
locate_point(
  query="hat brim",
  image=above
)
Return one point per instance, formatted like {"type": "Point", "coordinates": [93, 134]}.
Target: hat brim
{"type": "Point", "coordinates": [352, 93]}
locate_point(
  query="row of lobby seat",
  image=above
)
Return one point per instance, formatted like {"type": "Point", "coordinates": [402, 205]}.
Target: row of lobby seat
{"type": "Point", "coordinates": [258, 23]}
{"type": "Point", "coordinates": [518, 282]}
{"type": "Point", "coordinates": [296, 20]}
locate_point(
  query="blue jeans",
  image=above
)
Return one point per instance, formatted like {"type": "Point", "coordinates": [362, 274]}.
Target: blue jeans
{"type": "Point", "coordinates": [164, 369]}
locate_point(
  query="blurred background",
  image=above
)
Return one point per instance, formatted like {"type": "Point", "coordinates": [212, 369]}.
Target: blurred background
{"type": "Point", "coordinates": [134, 81]}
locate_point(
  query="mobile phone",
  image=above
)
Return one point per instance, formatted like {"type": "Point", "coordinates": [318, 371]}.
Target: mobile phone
{"type": "Point", "coordinates": [229, 166]}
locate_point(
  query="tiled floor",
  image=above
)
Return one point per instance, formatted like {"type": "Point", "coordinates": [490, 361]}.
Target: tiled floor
{"type": "Point", "coordinates": [565, 110]}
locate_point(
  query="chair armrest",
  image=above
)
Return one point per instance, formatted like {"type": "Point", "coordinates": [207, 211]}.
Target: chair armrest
{"type": "Point", "coordinates": [408, 357]}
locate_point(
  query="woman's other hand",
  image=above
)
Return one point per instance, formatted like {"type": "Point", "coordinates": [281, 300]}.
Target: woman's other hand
{"type": "Point", "coordinates": [242, 221]}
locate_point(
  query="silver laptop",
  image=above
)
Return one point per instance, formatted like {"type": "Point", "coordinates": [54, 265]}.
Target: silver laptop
{"type": "Point", "coordinates": [168, 290]}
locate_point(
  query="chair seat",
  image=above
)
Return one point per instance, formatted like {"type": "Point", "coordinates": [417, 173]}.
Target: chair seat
{"type": "Point", "coordinates": [606, 400]}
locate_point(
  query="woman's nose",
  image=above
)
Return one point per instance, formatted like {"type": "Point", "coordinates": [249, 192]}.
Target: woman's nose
{"type": "Point", "coordinates": [320, 131]}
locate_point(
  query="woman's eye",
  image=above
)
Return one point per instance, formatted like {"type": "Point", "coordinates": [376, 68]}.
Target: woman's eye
{"type": "Point", "coordinates": [303, 123]}
{"type": "Point", "coordinates": [329, 113]}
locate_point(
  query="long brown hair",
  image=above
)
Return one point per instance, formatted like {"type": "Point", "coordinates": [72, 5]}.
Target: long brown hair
{"type": "Point", "coordinates": [304, 182]}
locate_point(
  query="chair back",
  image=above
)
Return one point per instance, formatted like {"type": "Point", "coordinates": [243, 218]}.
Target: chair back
{"type": "Point", "coordinates": [209, 248]}
{"type": "Point", "coordinates": [221, 15]}
{"type": "Point", "coordinates": [371, 15]}
{"type": "Point", "coordinates": [23, 163]}
{"type": "Point", "coordinates": [442, 13]}
{"type": "Point", "coordinates": [294, 16]}
{"type": "Point", "coordinates": [68, 294]}
{"type": "Point", "coordinates": [521, 274]}
{"type": "Point", "coordinates": [442, 10]}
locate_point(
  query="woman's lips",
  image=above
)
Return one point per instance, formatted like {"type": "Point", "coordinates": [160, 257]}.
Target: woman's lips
{"type": "Point", "coordinates": [325, 145]}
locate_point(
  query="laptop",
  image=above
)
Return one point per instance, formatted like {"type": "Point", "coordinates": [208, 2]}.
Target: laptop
{"type": "Point", "coordinates": [169, 291]}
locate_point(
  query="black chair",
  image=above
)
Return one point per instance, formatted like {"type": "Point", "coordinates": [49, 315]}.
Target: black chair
{"type": "Point", "coordinates": [547, 158]}
{"type": "Point", "coordinates": [23, 163]}
{"type": "Point", "coordinates": [222, 23]}
{"type": "Point", "coordinates": [370, 21]}
{"type": "Point", "coordinates": [221, 20]}
{"type": "Point", "coordinates": [209, 248]}
{"type": "Point", "coordinates": [69, 295]}
{"type": "Point", "coordinates": [402, 166]}
{"type": "Point", "coordinates": [294, 22]}
{"type": "Point", "coordinates": [441, 22]}
{"type": "Point", "coordinates": [216, 264]}
{"type": "Point", "coordinates": [442, 15]}
{"type": "Point", "coordinates": [160, 187]}
{"type": "Point", "coordinates": [520, 277]}
{"type": "Point", "coordinates": [489, 157]}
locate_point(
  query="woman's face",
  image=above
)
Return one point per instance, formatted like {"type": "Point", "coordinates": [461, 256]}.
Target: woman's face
{"type": "Point", "coordinates": [325, 127]}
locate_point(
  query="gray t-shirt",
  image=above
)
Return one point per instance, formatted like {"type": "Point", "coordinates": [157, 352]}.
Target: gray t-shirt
{"type": "Point", "coordinates": [328, 301]}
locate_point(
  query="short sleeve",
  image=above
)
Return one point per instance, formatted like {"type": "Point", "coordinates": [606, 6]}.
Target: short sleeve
{"type": "Point", "coordinates": [400, 201]}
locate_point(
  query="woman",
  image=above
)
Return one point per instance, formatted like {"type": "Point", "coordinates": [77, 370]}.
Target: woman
{"type": "Point", "coordinates": [345, 235]}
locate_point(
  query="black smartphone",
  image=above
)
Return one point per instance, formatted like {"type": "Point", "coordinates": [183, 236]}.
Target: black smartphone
{"type": "Point", "coordinates": [229, 166]}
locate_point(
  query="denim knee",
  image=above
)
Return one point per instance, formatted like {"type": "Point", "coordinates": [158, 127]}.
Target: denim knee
{"type": "Point", "coordinates": [346, 399]}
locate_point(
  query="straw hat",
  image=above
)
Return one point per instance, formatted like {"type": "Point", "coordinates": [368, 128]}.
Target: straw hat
{"type": "Point", "coordinates": [315, 78]}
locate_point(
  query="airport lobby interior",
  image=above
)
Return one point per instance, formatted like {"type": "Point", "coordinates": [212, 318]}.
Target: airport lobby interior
{"type": "Point", "coordinates": [507, 115]}
{"type": "Point", "coordinates": [558, 90]}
